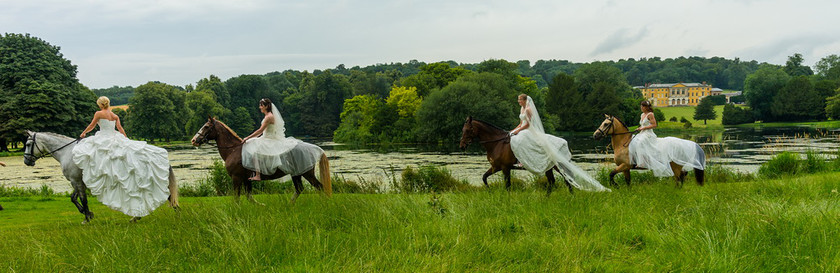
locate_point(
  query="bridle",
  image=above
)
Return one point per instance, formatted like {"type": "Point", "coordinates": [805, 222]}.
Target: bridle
{"type": "Point", "coordinates": [30, 156]}
{"type": "Point", "coordinates": [203, 134]}
{"type": "Point", "coordinates": [610, 128]}
{"type": "Point", "coordinates": [472, 130]}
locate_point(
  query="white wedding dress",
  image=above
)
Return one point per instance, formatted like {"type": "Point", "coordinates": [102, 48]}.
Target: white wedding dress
{"type": "Point", "coordinates": [274, 151]}
{"type": "Point", "coordinates": [125, 175]}
{"type": "Point", "coordinates": [655, 154]}
{"type": "Point", "coordinates": [538, 152]}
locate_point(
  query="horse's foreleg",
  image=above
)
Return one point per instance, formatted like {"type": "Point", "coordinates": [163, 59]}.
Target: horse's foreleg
{"type": "Point", "coordinates": [488, 173]}
{"type": "Point", "coordinates": [249, 187]}
{"type": "Point", "coordinates": [627, 177]}
{"type": "Point", "coordinates": [74, 197]}
{"type": "Point", "coordinates": [88, 213]}
{"type": "Point", "coordinates": [237, 187]}
{"type": "Point", "coordinates": [624, 167]}
{"type": "Point", "coordinates": [506, 172]}
{"type": "Point", "coordinates": [298, 187]}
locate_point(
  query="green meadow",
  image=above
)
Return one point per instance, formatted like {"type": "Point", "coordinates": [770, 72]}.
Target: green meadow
{"type": "Point", "coordinates": [788, 224]}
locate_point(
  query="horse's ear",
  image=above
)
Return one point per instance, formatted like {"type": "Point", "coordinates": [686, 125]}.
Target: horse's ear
{"type": "Point", "coordinates": [469, 118]}
{"type": "Point", "coordinates": [209, 118]}
{"type": "Point", "coordinates": [605, 115]}
{"type": "Point", "coordinates": [29, 133]}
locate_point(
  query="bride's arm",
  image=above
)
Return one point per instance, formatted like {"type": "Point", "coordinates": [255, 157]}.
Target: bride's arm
{"type": "Point", "coordinates": [119, 127]}
{"type": "Point", "coordinates": [92, 124]}
{"type": "Point", "coordinates": [259, 131]}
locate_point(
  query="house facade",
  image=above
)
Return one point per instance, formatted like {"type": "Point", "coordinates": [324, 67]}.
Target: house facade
{"type": "Point", "coordinates": [677, 94]}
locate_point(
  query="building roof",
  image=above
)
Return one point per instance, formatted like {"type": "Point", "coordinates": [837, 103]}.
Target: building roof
{"type": "Point", "coordinates": [669, 85]}
{"type": "Point", "coordinates": [717, 89]}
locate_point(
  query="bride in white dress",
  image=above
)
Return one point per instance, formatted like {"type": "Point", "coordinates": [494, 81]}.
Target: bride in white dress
{"type": "Point", "coordinates": [125, 175]}
{"type": "Point", "coordinates": [655, 154]}
{"type": "Point", "coordinates": [268, 150]}
{"type": "Point", "coordinates": [539, 152]}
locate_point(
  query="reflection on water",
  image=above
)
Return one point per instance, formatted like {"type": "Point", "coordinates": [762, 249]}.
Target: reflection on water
{"type": "Point", "coordinates": [742, 149]}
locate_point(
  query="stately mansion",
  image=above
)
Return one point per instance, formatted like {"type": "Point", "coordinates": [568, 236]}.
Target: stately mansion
{"type": "Point", "coordinates": [677, 94]}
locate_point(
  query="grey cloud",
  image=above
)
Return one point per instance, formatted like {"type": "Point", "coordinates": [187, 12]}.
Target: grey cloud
{"type": "Point", "coordinates": [777, 51]}
{"type": "Point", "coordinates": [620, 39]}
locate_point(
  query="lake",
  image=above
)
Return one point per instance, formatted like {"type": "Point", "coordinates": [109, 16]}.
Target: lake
{"type": "Point", "coordinates": [741, 149]}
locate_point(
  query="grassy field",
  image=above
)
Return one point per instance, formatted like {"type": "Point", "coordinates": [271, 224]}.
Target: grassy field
{"type": "Point", "coordinates": [688, 113]}
{"type": "Point", "coordinates": [783, 225]}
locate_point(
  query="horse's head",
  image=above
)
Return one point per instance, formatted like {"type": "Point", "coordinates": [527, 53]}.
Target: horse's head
{"type": "Point", "coordinates": [207, 132]}
{"type": "Point", "coordinates": [607, 128]}
{"type": "Point", "coordinates": [468, 133]}
{"type": "Point", "coordinates": [32, 150]}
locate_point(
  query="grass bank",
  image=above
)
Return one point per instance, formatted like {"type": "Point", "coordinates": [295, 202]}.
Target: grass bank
{"type": "Point", "coordinates": [786, 224]}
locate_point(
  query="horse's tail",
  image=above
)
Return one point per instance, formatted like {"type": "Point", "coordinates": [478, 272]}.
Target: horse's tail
{"type": "Point", "coordinates": [324, 167]}
{"type": "Point", "coordinates": [173, 190]}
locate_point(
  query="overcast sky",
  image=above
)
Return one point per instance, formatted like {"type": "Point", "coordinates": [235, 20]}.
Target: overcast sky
{"type": "Point", "coordinates": [131, 42]}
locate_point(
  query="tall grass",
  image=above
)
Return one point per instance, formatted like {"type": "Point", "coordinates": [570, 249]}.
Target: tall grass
{"type": "Point", "coordinates": [776, 225]}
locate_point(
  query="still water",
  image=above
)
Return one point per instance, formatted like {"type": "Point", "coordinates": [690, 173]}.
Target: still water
{"type": "Point", "coordinates": [741, 149]}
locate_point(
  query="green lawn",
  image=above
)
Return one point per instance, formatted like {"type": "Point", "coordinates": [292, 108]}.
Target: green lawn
{"type": "Point", "coordinates": [688, 113]}
{"type": "Point", "coordinates": [784, 225]}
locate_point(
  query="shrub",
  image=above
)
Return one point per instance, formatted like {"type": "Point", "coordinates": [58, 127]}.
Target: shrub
{"type": "Point", "coordinates": [342, 185]}
{"type": "Point", "coordinates": [429, 178]}
{"type": "Point", "coordinates": [658, 114]}
{"type": "Point", "coordinates": [683, 120]}
{"type": "Point", "coordinates": [814, 163]}
{"type": "Point", "coordinates": [733, 115]}
{"type": "Point", "coordinates": [687, 124]}
{"type": "Point", "coordinates": [674, 119]}
{"type": "Point", "coordinates": [785, 163]}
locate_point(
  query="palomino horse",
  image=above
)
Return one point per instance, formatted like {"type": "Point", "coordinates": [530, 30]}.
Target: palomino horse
{"type": "Point", "coordinates": [496, 141]}
{"type": "Point", "coordinates": [621, 136]}
{"type": "Point", "coordinates": [230, 148]}
{"type": "Point", "coordinates": [41, 144]}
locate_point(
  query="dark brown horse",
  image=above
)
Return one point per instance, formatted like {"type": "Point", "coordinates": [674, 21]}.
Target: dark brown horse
{"type": "Point", "coordinates": [496, 141]}
{"type": "Point", "coordinates": [230, 148]}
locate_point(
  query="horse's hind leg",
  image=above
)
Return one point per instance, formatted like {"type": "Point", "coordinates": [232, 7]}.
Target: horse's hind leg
{"type": "Point", "coordinates": [679, 174]}
{"type": "Point", "coordinates": [310, 176]}
{"type": "Point", "coordinates": [298, 187]}
{"type": "Point", "coordinates": [549, 175]}
{"type": "Point", "coordinates": [506, 172]}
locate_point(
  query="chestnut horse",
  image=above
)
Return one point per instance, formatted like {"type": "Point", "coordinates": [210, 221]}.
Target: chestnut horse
{"type": "Point", "coordinates": [230, 148]}
{"type": "Point", "coordinates": [621, 136]}
{"type": "Point", "coordinates": [496, 141]}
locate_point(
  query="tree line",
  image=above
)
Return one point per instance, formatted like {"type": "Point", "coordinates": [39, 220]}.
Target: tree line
{"type": "Point", "coordinates": [396, 102]}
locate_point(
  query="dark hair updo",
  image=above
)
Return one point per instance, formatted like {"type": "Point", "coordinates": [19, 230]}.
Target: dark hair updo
{"type": "Point", "coordinates": [646, 105]}
{"type": "Point", "coordinates": [267, 103]}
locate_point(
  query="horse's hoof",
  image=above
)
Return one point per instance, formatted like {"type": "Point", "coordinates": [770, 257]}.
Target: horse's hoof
{"type": "Point", "coordinates": [134, 219]}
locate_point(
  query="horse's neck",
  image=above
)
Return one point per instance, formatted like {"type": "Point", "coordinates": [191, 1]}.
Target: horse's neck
{"type": "Point", "coordinates": [487, 134]}
{"type": "Point", "coordinates": [226, 141]}
{"type": "Point", "coordinates": [51, 143]}
{"type": "Point", "coordinates": [620, 136]}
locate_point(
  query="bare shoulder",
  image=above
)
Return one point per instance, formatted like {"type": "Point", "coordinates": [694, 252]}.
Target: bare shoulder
{"type": "Point", "coordinates": [269, 118]}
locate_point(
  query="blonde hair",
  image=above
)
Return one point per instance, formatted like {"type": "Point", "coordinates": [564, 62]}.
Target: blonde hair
{"type": "Point", "coordinates": [103, 102]}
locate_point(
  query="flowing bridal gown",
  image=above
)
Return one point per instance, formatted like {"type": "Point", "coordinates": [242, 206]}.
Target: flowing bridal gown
{"type": "Point", "coordinates": [539, 152]}
{"type": "Point", "coordinates": [274, 151]}
{"type": "Point", "coordinates": [655, 154]}
{"type": "Point", "coordinates": [125, 175]}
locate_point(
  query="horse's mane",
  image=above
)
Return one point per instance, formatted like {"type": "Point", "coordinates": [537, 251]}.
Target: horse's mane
{"type": "Point", "coordinates": [490, 124]}
{"type": "Point", "coordinates": [622, 122]}
{"type": "Point", "coordinates": [229, 130]}
{"type": "Point", "coordinates": [55, 135]}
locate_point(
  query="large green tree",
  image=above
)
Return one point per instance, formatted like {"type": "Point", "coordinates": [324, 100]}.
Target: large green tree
{"type": "Point", "coordinates": [39, 90]}
{"type": "Point", "coordinates": [829, 67]}
{"type": "Point", "coordinates": [794, 67]}
{"type": "Point", "coordinates": [705, 110]}
{"type": "Point", "coordinates": [565, 103]}
{"type": "Point", "coordinates": [761, 87]}
{"type": "Point", "coordinates": [320, 104]}
{"type": "Point", "coordinates": [485, 96]}
{"type": "Point", "coordinates": [798, 101]}
{"type": "Point", "coordinates": [202, 104]}
{"type": "Point", "coordinates": [157, 111]}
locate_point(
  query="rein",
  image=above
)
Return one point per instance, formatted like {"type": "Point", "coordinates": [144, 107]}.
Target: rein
{"type": "Point", "coordinates": [217, 144]}
{"type": "Point", "coordinates": [35, 146]}
{"type": "Point", "coordinates": [615, 134]}
{"type": "Point", "coordinates": [495, 140]}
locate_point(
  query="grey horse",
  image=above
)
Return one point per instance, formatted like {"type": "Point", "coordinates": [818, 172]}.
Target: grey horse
{"type": "Point", "coordinates": [41, 144]}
